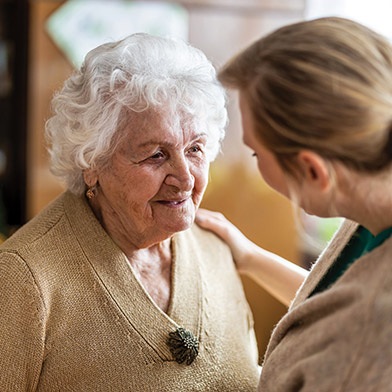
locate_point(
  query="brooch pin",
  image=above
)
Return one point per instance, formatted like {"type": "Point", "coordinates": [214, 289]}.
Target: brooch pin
{"type": "Point", "coordinates": [183, 345]}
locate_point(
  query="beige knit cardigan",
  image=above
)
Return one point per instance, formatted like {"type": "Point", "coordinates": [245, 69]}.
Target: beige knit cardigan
{"type": "Point", "coordinates": [340, 339]}
{"type": "Point", "coordinates": [73, 316]}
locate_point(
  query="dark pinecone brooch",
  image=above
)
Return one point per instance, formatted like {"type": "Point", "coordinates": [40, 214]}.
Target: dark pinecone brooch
{"type": "Point", "coordinates": [183, 345]}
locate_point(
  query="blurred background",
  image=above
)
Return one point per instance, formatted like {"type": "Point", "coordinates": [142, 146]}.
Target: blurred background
{"type": "Point", "coordinates": [41, 43]}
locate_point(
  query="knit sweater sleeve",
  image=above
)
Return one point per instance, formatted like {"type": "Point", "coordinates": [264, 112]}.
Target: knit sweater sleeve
{"type": "Point", "coordinates": [21, 326]}
{"type": "Point", "coordinates": [318, 345]}
{"type": "Point", "coordinates": [339, 339]}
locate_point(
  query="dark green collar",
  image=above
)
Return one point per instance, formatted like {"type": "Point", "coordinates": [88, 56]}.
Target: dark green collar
{"type": "Point", "coordinates": [362, 242]}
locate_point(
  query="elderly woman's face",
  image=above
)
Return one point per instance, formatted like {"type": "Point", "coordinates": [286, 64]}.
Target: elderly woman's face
{"type": "Point", "coordinates": [156, 179]}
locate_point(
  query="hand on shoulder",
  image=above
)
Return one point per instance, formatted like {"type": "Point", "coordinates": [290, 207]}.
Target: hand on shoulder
{"type": "Point", "coordinates": [216, 222]}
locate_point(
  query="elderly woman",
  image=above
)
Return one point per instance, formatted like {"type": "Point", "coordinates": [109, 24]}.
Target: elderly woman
{"type": "Point", "coordinates": [112, 287]}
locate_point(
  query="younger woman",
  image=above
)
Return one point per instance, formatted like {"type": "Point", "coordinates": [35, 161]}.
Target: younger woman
{"type": "Point", "coordinates": [316, 104]}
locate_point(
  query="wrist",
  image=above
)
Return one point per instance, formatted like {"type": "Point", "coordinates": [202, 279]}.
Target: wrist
{"type": "Point", "coordinates": [246, 260]}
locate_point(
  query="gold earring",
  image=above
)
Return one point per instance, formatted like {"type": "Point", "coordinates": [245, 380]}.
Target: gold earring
{"type": "Point", "coordinates": [91, 192]}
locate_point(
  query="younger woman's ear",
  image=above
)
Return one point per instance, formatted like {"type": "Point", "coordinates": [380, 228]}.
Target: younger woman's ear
{"type": "Point", "coordinates": [90, 177]}
{"type": "Point", "coordinates": [315, 169]}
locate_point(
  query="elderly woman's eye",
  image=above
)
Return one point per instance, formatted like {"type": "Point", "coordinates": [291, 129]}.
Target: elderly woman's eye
{"type": "Point", "coordinates": [195, 149]}
{"type": "Point", "coordinates": [157, 155]}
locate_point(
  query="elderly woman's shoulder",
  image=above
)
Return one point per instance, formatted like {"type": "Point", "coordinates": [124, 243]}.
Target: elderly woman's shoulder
{"type": "Point", "coordinates": [216, 260]}
{"type": "Point", "coordinates": [209, 240]}
{"type": "Point", "coordinates": [34, 229]}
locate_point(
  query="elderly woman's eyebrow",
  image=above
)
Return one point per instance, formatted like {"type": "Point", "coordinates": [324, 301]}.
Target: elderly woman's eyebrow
{"type": "Point", "coordinates": [168, 143]}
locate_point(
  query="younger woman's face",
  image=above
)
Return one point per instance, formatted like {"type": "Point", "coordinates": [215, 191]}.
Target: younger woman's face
{"type": "Point", "coordinates": [267, 163]}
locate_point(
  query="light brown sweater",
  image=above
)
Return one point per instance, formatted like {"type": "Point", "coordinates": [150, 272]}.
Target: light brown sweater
{"type": "Point", "coordinates": [340, 339]}
{"type": "Point", "coordinates": [73, 316]}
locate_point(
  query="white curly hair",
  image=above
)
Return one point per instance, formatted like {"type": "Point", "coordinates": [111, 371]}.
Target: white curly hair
{"type": "Point", "coordinates": [134, 74]}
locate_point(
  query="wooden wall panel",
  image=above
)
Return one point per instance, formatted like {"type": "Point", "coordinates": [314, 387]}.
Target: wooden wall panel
{"type": "Point", "coordinates": [48, 68]}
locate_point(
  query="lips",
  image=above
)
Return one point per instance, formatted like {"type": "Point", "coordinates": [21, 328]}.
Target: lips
{"type": "Point", "coordinates": [173, 203]}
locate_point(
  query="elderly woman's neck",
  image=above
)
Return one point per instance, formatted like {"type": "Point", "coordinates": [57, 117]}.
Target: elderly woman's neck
{"type": "Point", "coordinates": [149, 256]}
{"type": "Point", "coordinates": [135, 244]}
{"type": "Point", "coordinates": [153, 252]}
{"type": "Point", "coordinates": [152, 266]}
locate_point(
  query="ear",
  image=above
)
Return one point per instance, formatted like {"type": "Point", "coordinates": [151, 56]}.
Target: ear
{"type": "Point", "coordinates": [315, 169]}
{"type": "Point", "coordinates": [90, 177]}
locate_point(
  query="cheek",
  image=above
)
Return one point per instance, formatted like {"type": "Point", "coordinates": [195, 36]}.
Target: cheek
{"type": "Point", "coordinates": [132, 187]}
{"type": "Point", "coordinates": [147, 184]}
{"type": "Point", "coordinates": [200, 173]}
{"type": "Point", "coordinates": [274, 177]}
{"type": "Point", "coordinates": [266, 169]}
{"type": "Point", "coordinates": [263, 169]}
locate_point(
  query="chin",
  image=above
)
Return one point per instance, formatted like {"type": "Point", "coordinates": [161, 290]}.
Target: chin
{"type": "Point", "coordinates": [180, 225]}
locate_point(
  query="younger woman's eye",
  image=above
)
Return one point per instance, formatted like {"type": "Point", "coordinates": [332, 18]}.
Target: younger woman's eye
{"type": "Point", "coordinates": [254, 154]}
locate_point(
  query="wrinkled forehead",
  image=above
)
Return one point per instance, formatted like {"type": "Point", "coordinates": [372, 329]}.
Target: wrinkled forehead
{"type": "Point", "coordinates": [160, 123]}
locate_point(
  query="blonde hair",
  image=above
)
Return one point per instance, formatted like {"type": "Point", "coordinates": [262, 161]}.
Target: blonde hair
{"type": "Point", "coordinates": [323, 85]}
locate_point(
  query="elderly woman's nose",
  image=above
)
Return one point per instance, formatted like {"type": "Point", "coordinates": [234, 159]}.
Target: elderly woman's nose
{"type": "Point", "coordinates": [180, 175]}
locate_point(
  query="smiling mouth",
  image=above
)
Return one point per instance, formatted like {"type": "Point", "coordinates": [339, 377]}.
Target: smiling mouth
{"type": "Point", "coordinates": [172, 203]}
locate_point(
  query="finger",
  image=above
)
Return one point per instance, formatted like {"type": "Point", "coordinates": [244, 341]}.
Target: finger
{"type": "Point", "coordinates": [213, 224]}
{"type": "Point", "coordinates": [203, 213]}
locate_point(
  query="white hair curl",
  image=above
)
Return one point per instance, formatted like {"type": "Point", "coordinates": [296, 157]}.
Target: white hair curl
{"type": "Point", "coordinates": [136, 73]}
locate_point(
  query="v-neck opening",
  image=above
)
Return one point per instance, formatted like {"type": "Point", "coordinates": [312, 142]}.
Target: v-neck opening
{"type": "Point", "coordinates": [119, 281]}
{"type": "Point", "coordinates": [185, 264]}
{"type": "Point", "coordinates": [173, 274]}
